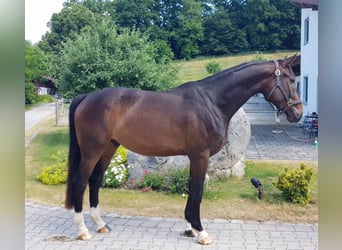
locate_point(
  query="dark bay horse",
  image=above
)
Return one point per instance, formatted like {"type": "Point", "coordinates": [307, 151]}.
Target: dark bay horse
{"type": "Point", "coordinates": [191, 120]}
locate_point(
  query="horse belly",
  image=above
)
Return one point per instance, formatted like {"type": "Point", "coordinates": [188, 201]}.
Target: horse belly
{"type": "Point", "coordinates": [150, 136]}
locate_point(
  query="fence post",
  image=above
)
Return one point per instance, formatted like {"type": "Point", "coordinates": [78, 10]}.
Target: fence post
{"type": "Point", "coordinates": [57, 110]}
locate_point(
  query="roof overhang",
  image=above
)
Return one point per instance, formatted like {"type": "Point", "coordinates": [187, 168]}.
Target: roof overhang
{"type": "Point", "coordinates": [313, 4]}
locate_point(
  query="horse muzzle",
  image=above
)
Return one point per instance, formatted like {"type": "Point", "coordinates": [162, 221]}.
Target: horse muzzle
{"type": "Point", "coordinates": [293, 114]}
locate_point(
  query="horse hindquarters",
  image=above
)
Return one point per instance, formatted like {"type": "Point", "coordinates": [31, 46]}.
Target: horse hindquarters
{"type": "Point", "coordinates": [89, 157]}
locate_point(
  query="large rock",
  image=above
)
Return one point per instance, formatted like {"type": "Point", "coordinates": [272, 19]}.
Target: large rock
{"type": "Point", "coordinates": [229, 161]}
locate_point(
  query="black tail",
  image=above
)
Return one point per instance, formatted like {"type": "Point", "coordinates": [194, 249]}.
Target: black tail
{"type": "Point", "coordinates": [74, 152]}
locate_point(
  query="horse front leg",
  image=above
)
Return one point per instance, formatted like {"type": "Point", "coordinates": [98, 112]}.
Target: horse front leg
{"type": "Point", "coordinates": [198, 168]}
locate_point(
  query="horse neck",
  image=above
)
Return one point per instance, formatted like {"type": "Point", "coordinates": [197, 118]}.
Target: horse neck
{"type": "Point", "coordinates": [230, 90]}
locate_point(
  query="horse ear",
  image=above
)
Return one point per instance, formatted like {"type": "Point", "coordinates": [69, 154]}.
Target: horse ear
{"type": "Point", "coordinates": [292, 61]}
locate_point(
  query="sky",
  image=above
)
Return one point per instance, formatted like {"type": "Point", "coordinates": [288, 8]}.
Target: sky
{"type": "Point", "coordinates": [37, 14]}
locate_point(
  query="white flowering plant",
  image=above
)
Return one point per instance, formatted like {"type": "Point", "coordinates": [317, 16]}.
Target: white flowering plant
{"type": "Point", "coordinates": [117, 173]}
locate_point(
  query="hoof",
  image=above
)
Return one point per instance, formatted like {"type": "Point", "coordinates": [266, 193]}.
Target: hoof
{"type": "Point", "coordinates": [85, 236]}
{"type": "Point", "coordinates": [205, 241]}
{"type": "Point", "coordinates": [189, 233]}
{"type": "Point", "coordinates": [104, 229]}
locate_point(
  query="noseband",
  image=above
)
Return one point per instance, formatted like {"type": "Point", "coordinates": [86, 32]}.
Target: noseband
{"type": "Point", "coordinates": [288, 99]}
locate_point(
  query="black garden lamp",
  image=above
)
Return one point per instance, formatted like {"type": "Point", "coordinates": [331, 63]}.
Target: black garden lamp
{"type": "Point", "coordinates": [257, 184]}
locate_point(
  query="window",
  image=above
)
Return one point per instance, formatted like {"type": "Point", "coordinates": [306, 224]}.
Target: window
{"type": "Point", "coordinates": [306, 31]}
{"type": "Point", "coordinates": [299, 88]}
{"type": "Point", "coordinates": [305, 89]}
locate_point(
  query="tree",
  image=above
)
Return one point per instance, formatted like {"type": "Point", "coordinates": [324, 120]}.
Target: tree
{"type": "Point", "coordinates": [188, 27]}
{"type": "Point", "coordinates": [36, 68]}
{"type": "Point", "coordinates": [96, 6]}
{"type": "Point", "coordinates": [100, 57]}
{"type": "Point", "coordinates": [35, 63]}
{"type": "Point", "coordinates": [252, 24]}
{"type": "Point", "coordinates": [271, 24]}
{"type": "Point", "coordinates": [258, 15]}
{"type": "Point", "coordinates": [187, 30]}
{"type": "Point", "coordinates": [30, 94]}
{"type": "Point", "coordinates": [287, 24]}
{"type": "Point", "coordinates": [68, 23]}
{"type": "Point", "coordinates": [222, 36]}
{"type": "Point", "coordinates": [138, 14]}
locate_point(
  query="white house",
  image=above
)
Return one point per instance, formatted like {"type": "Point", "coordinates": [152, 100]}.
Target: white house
{"type": "Point", "coordinates": [308, 84]}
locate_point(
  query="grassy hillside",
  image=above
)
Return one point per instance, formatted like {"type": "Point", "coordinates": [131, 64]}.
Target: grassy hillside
{"type": "Point", "coordinates": [195, 69]}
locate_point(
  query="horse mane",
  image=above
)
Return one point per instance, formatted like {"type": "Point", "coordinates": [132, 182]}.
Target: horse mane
{"type": "Point", "coordinates": [220, 74]}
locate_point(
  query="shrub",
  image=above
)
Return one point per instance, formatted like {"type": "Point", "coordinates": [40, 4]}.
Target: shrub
{"type": "Point", "coordinates": [171, 181]}
{"type": "Point", "coordinates": [259, 57]}
{"type": "Point", "coordinates": [122, 151]}
{"type": "Point", "coordinates": [103, 57]}
{"type": "Point", "coordinates": [116, 174]}
{"type": "Point", "coordinates": [118, 170]}
{"type": "Point", "coordinates": [57, 173]}
{"type": "Point", "coordinates": [30, 96]}
{"type": "Point", "coordinates": [213, 67]}
{"type": "Point", "coordinates": [178, 181]}
{"type": "Point", "coordinates": [53, 175]}
{"type": "Point", "coordinates": [45, 98]}
{"type": "Point", "coordinates": [294, 184]}
{"type": "Point", "coordinates": [154, 181]}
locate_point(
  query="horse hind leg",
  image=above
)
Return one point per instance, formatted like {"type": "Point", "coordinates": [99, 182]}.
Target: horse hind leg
{"type": "Point", "coordinates": [80, 182]}
{"type": "Point", "coordinates": [95, 182]}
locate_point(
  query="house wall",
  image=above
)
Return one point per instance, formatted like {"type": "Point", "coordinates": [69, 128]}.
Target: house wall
{"type": "Point", "coordinates": [43, 91]}
{"type": "Point", "coordinates": [309, 61]}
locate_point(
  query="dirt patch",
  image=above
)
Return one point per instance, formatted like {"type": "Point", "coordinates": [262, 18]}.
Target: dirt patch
{"type": "Point", "coordinates": [60, 238]}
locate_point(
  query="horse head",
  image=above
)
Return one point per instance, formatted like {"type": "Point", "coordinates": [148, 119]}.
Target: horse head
{"type": "Point", "coordinates": [282, 91]}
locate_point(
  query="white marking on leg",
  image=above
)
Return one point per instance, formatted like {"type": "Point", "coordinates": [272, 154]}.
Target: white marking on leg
{"type": "Point", "coordinates": [96, 217]}
{"type": "Point", "coordinates": [188, 226]}
{"type": "Point", "coordinates": [203, 234]}
{"type": "Point", "coordinates": [189, 229]}
{"type": "Point", "coordinates": [82, 228]}
{"type": "Point", "coordinates": [204, 238]}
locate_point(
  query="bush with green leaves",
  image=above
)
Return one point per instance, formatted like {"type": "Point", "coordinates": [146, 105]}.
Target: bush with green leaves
{"type": "Point", "coordinates": [30, 95]}
{"type": "Point", "coordinates": [46, 98]}
{"type": "Point", "coordinates": [103, 57]}
{"type": "Point", "coordinates": [115, 176]}
{"type": "Point", "coordinates": [117, 173]}
{"type": "Point", "coordinates": [53, 175]}
{"type": "Point", "coordinates": [213, 67]}
{"type": "Point", "coordinates": [172, 181]}
{"type": "Point", "coordinates": [294, 184]}
{"type": "Point", "coordinates": [56, 173]}
{"type": "Point", "coordinates": [259, 57]}
{"type": "Point", "coordinates": [118, 170]}
{"type": "Point", "coordinates": [152, 180]}
{"type": "Point", "coordinates": [177, 181]}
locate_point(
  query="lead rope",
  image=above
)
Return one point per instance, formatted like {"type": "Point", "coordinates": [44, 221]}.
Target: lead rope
{"type": "Point", "coordinates": [297, 138]}
{"type": "Point", "coordinates": [289, 135]}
